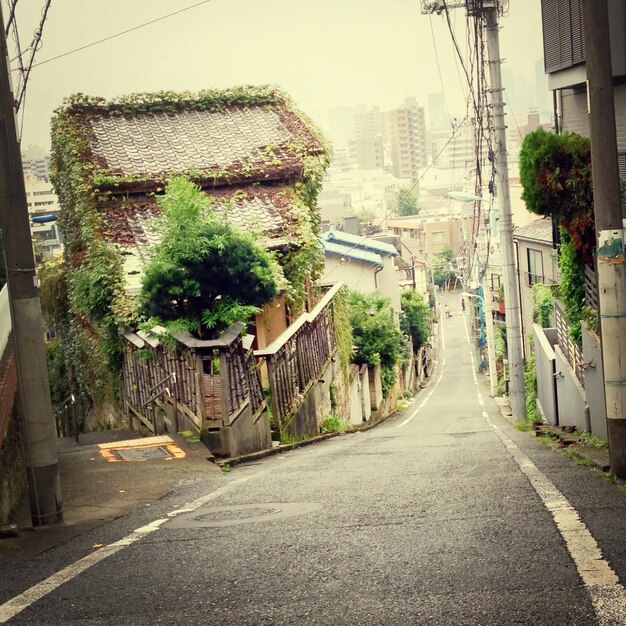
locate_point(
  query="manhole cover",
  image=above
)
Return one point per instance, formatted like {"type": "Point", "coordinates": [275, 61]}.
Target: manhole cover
{"type": "Point", "coordinates": [215, 517]}
{"type": "Point", "coordinates": [140, 454]}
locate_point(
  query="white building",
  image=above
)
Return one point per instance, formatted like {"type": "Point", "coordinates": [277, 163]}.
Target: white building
{"type": "Point", "coordinates": [43, 208]}
{"type": "Point", "coordinates": [365, 265]}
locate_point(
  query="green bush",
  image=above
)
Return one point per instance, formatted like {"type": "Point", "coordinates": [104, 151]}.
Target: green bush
{"type": "Point", "coordinates": [415, 319]}
{"type": "Point", "coordinates": [333, 424]}
{"type": "Point", "coordinates": [204, 274]}
{"type": "Point", "coordinates": [376, 335]}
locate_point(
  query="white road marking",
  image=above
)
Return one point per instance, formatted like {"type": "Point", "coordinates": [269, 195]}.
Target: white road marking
{"type": "Point", "coordinates": [16, 605]}
{"type": "Point", "coordinates": [425, 400]}
{"type": "Point", "coordinates": [608, 596]}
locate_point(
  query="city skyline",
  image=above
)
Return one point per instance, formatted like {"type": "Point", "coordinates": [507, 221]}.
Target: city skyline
{"type": "Point", "coordinates": [324, 53]}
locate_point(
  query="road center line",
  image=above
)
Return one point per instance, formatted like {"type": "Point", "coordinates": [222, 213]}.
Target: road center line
{"type": "Point", "coordinates": [16, 605]}
{"type": "Point", "coordinates": [425, 400]}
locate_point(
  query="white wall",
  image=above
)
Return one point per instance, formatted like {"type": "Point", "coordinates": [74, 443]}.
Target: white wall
{"type": "Point", "coordinates": [5, 318]}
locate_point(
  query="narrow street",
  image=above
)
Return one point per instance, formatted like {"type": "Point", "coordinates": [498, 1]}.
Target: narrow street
{"type": "Point", "coordinates": [443, 515]}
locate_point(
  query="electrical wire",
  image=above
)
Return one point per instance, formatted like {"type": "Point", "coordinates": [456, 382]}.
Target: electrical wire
{"type": "Point", "coordinates": [124, 32]}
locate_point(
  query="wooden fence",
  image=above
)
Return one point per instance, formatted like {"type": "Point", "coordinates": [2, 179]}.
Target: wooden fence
{"type": "Point", "coordinates": [209, 382]}
{"type": "Point", "coordinates": [296, 359]}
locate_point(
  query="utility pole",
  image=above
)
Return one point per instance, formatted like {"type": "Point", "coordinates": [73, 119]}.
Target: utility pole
{"type": "Point", "coordinates": [34, 391]}
{"type": "Point", "coordinates": [489, 9]}
{"type": "Point", "coordinates": [609, 226]}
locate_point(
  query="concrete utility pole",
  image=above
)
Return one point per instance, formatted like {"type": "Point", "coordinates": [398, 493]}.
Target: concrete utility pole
{"type": "Point", "coordinates": [609, 226]}
{"type": "Point", "coordinates": [503, 200]}
{"type": "Point", "coordinates": [32, 372]}
{"type": "Point", "coordinates": [489, 10]}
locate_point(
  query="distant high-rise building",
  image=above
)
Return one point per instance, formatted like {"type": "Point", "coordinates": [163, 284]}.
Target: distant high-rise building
{"type": "Point", "coordinates": [368, 152]}
{"type": "Point", "coordinates": [437, 116]}
{"type": "Point", "coordinates": [36, 162]}
{"type": "Point", "coordinates": [407, 136]}
{"type": "Point", "coordinates": [341, 123]}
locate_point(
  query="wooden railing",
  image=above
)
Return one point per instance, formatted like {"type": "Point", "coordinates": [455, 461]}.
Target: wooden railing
{"type": "Point", "coordinates": [572, 352]}
{"type": "Point", "coordinates": [296, 359]}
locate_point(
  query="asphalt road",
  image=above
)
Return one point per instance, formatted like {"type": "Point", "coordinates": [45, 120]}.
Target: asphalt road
{"type": "Point", "coordinates": [443, 515]}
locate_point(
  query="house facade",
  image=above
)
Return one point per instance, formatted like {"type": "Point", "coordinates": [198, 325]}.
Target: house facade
{"type": "Point", "coordinates": [261, 164]}
{"type": "Point", "coordinates": [365, 265]}
{"type": "Point", "coordinates": [536, 262]}
{"type": "Point", "coordinates": [564, 61]}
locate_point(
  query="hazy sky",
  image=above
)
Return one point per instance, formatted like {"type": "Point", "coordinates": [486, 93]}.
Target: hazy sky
{"type": "Point", "coordinates": [324, 53]}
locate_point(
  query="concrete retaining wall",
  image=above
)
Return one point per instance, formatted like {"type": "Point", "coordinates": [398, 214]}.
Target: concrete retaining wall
{"type": "Point", "coordinates": [570, 394]}
{"type": "Point", "coordinates": [594, 383]}
{"type": "Point", "coordinates": [545, 368]}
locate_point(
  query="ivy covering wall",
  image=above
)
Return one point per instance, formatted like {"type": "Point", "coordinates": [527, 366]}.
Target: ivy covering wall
{"type": "Point", "coordinates": [93, 307]}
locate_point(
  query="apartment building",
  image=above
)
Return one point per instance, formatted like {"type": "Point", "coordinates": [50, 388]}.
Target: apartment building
{"type": "Point", "coordinates": [43, 204]}
{"type": "Point", "coordinates": [408, 140]}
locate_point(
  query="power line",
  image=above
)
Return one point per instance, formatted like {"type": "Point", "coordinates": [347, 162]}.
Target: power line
{"type": "Point", "coordinates": [124, 32]}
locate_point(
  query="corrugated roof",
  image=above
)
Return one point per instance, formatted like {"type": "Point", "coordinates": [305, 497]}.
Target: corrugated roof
{"type": "Point", "coordinates": [539, 230]}
{"type": "Point", "coordinates": [358, 254]}
{"type": "Point", "coordinates": [358, 242]}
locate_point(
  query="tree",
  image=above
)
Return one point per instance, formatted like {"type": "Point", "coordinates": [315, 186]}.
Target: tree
{"type": "Point", "coordinates": [204, 274]}
{"type": "Point", "coordinates": [376, 335]}
{"type": "Point", "coordinates": [415, 320]}
{"type": "Point", "coordinates": [555, 172]}
{"type": "Point", "coordinates": [405, 202]}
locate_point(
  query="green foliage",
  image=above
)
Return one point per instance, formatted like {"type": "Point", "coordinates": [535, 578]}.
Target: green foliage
{"type": "Point", "coordinates": [57, 373]}
{"type": "Point", "coordinates": [571, 290]}
{"type": "Point", "coordinates": [376, 335]}
{"type": "Point", "coordinates": [442, 268]}
{"type": "Point", "coordinates": [543, 305]}
{"type": "Point", "coordinates": [203, 272]}
{"type": "Point", "coordinates": [415, 319]}
{"type": "Point", "coordinates": [333, 424]}
{"type": "Point", "coordinates": [343, 331]}
{"type": "Point", "coordinates": [405, 202]}
{"type": "Point", "coordinates": [530, 385]}
{"type": "Point", "coordinates": [555, 172]}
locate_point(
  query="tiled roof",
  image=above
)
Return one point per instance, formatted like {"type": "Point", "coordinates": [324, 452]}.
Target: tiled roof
{"type": "Point", "coordinates": [131, 224]}
{"type": "Point", "coordinates": [152, 144]}
{"type": "Point", "coordinates": [539, 230]}
{"type": "Point", "coordinates": [246, 134]}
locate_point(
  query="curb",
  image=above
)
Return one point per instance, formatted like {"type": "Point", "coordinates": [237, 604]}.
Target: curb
{"type": "Point", "coordinates": [286, 447]}
{"type": "Point", "coordinates": [261, 454]}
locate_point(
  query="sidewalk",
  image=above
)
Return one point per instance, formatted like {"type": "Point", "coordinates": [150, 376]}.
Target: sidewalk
{"type": "Point", "coordinates": [98, 485]}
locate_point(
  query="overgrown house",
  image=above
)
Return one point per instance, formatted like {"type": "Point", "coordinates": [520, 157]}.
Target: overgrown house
{"type": "Point", "coordinates": [247, 148]}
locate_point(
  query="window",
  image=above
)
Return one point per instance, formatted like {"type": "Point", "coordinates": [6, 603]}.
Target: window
{"type": "Point", "coordinates": [535, 266]}
{"type": "Point", "coordinates": [563, 33]}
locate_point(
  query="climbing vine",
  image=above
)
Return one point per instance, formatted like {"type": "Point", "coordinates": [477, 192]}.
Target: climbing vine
{"type": "Point", "coordinates": [96, 307]}
{"type": "Point", "coordinates": [572, 286]}
{"type": "Point", "coordinates": [376, 336]}
{"type": "Point", "coordinates": [543, 305]}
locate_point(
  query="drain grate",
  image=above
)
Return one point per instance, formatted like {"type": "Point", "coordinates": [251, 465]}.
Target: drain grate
{"type": "Point", "coordinates": [141, 454]}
